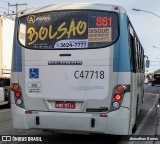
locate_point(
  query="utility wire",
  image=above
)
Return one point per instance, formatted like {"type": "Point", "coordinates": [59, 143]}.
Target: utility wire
{"type": "Point", "coordinates": [7, 9]}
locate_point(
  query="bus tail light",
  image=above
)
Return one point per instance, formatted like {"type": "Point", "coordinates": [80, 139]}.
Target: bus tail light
{"type": "Point", "coordinates": [17, 94]}
{"type": "Point", "coordinates": [120, 88]}
{"type": "Point", "coordinates": [118, 97]}
{"type": "Point", "coordinates": [28, 112]}
{"type": "Point", "coordinates": [116, 105]}
{"type": "Point", "coordinates": [19, 101]}
{"type": "Point", "coordinates": [103, 115]}
{"type": "Point", "coordinates": [15, 87]}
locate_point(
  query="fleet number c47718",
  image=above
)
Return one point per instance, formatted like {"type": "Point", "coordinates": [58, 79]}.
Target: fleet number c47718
{"type": "Point", "coordinates": [89, 74]}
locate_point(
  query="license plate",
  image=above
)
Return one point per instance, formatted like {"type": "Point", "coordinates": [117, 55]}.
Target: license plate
{"type": "Point", "coordinates": [65, 105]}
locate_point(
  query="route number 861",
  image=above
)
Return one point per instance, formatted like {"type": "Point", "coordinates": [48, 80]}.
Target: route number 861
{"type": "Point", "coordinates": [89, 74]}
{"type": "Point", "coordinates": [103, 21]}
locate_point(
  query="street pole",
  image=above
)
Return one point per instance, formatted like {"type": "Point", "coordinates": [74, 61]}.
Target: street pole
{"type": "Point", "coordinates": [8, 8]}
{"type": "Point", "coordinates": [146, 12]}
{"type": "Point", "coordinates": [16, 8]}
{"type": "Point", "coordinates": [156, 47]}
{"type": "Point", "coordinates": [17, 5]}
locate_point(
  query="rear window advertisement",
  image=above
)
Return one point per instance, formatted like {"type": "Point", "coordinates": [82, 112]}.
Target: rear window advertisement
{"type": "Point", "coordinates": [68, 30]}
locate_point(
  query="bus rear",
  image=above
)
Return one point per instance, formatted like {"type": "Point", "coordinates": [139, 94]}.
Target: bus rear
{"type": "Point", "coordinates": [63, 70]}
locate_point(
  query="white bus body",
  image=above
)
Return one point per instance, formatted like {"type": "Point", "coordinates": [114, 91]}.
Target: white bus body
{"type": "Point", "coordinates": [72, 70]}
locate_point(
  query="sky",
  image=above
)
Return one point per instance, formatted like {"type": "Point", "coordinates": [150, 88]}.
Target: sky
{"type": "Point", "coordinates": [146, 25]}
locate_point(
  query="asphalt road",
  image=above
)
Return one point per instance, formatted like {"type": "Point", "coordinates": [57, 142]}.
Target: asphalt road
{"type": "Point", "coordinates": [147, 125]}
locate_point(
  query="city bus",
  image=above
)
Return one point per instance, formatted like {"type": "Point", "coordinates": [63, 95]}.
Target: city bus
{"type": "Point", "coordinates": [76, 68]}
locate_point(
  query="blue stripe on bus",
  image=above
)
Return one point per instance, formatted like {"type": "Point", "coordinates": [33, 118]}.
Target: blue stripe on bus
{"type": "Point", "coordinates": [116, 57]}
{"type": "Point", "coordinates": [121, 57]}
{"type": "Point", "coordinates": [17, 54]}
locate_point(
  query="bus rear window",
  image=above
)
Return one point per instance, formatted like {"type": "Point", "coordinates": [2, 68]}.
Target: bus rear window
{"type": "Point", "coordinates": [68, 29]}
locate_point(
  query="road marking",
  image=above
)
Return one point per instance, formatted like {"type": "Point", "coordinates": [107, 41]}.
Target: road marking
{"type": "Point", "coordinates": [151, 94]}
{"type": "Point", "coordinates": [145, 118]}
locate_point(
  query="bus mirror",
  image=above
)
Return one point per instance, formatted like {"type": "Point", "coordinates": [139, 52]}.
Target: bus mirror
{"type": "Point", "coordinates": [147, 63]}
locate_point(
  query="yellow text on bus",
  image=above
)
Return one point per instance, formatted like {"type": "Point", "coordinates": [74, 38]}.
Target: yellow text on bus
{"type": "Point", "coordinates": [47, 32]}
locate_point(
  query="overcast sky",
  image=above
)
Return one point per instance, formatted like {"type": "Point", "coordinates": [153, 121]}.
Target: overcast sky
{"type": "Point", "coordinates": [147, 26]}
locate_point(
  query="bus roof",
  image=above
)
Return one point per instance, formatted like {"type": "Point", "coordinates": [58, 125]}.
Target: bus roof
{"type": "Point", "coordinates": [69, 6]}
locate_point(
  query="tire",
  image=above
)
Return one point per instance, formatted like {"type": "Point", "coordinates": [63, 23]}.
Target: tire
{"type": "Point", "coordinates": [9, 104]}
{"type": "Point", "coordinates": [9, 99]}
{"type": "Point", "coordinates": [135, 125]}
{"type": "Point", "coordinates": [152, 84]}
{"type": "Point", "coordinates": [134, 128]}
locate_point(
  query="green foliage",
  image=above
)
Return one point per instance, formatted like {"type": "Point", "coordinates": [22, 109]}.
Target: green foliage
{"type": "Point", "coordinates": [157, 71]}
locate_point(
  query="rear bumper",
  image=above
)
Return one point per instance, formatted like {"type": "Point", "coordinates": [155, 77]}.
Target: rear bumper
{"type": "Point", "coordinates": [71, 122]}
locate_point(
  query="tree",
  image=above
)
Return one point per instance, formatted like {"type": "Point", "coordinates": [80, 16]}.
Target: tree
{"type": "Point", "coordinates": [157, 71]}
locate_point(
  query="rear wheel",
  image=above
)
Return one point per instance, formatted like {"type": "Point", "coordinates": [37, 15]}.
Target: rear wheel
{"type": "Point", "coordinates": [8, 97]}
{"type": "Point", "coordinates": [135, 125]}
{"type": "Point", "coordinates": [9, 102]}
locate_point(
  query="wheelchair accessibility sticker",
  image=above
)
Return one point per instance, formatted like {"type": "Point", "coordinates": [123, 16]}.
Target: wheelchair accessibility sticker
{"type": "Point", "coordinates": [33, 73]}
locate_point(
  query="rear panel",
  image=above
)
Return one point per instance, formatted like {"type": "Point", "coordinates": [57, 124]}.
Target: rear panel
{"type": "Point", "coordinates": [68, 60]}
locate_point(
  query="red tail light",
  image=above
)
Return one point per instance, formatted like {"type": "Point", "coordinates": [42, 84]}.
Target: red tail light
{"type": "Point", "coordinates": [118, 97]}
{"type": "Point", "coordinates": [15, 87]}
{"type": "Point", "coordinates": [17, 94]}
{"type": "Point", "coordinates": [28, 112]}
{"type": "Point", "coordinates": [103, 115]}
